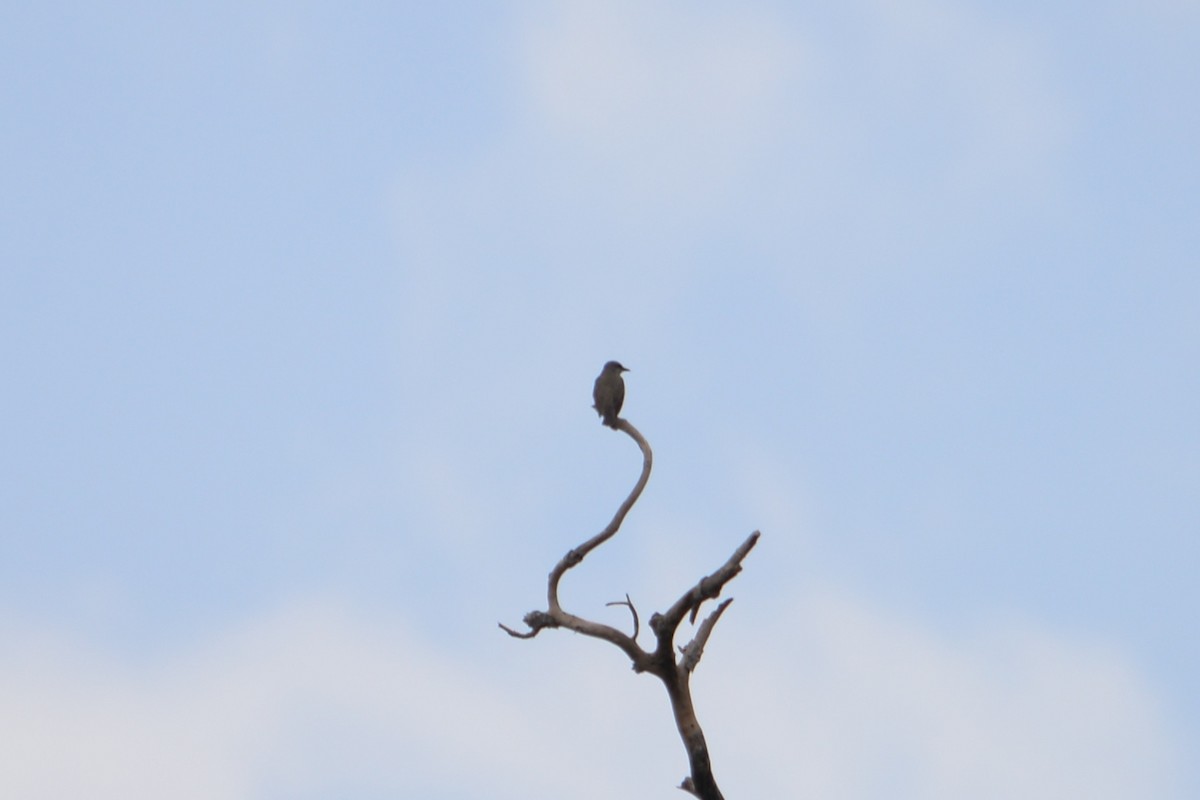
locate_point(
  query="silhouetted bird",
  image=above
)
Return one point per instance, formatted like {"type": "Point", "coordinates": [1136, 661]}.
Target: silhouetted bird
{"type": "Point", "coordinates": [608, 394]}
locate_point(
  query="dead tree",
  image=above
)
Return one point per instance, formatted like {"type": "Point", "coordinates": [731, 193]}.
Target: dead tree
{"type": "Point", "coordinates": [661, 661]}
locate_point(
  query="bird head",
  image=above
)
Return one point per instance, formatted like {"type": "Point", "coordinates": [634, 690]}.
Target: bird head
{"type": "Point", "coordinates": [615, 366]}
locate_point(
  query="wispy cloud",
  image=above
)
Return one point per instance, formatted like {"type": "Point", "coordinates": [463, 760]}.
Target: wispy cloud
{"type": "Point", "coordinates": [675, 100]}
{"type": "Point", "coordinates": [830, 698]}
{"type": "Point", "coordinates": [853, 701]}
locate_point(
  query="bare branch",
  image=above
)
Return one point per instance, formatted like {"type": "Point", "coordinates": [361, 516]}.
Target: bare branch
{"type": "Point", "coordinates": [577, 554]}
{"type": "Point", "coordinates": [556, 616]}
{"type": "Point", "coordinates": [632, 610]}
{"type": "Point", "coordinates": [695, 648]}
{"type": "Point", "coordinates": [710, 586]}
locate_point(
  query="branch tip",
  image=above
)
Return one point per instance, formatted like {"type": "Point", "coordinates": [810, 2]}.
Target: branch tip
{"type": "Point", "coordinates": [518, 634]}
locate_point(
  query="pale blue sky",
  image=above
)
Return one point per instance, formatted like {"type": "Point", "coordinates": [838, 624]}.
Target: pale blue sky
{"type": "Point", "coordinates": [300, 307]}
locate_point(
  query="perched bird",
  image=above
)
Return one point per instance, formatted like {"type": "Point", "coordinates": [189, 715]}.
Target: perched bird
{"type": "Point", "coordinates": [608, 394]}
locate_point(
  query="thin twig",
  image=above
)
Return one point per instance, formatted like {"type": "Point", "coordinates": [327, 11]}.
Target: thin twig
{"type": "Point", "coordinates": [632, 610]}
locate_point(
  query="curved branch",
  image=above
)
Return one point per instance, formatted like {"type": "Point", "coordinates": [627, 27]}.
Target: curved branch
{"type": "Point", "coordinates": [555, 616]}
{"type": "Point", "coordinates": [577, 554]}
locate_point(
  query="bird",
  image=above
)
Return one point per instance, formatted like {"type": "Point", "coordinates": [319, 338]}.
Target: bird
{"type": "Point", "coordinates": [609, 393]}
